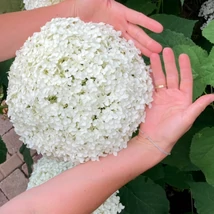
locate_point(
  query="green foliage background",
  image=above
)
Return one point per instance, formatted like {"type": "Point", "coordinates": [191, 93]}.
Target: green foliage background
{"type": "Point", "coordinates": [183, 182]}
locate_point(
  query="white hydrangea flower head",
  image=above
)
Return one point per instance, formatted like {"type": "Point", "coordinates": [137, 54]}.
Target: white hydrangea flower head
{"type": "Point", "coordinates": [207, 12]}
{"type": "Point", "coordinates": [45, 169]}
{"type": "Point", "coordinates": [111, 206]}
{"type": "Point", "coordinates": [33, 4]}
{"type": "Point", "coordinates": [77, 91]}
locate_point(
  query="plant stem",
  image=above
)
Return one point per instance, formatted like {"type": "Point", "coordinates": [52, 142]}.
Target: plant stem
{"type": "Point", "coordinates": [159, 6]}
{"type": "Point", "coordinates": [191, 202]}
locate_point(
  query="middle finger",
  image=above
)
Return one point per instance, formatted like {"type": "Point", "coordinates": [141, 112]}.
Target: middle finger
{"type": "Point", "coordinates": [157, 72]}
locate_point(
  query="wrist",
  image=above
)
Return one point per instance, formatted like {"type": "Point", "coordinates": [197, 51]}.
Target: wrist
{"type": "Point", "coordinates": [158, 149]}
{"type": "Point", "coordinates": [140, 156]}
{"type": "Point", "coordinates": [162, 144]}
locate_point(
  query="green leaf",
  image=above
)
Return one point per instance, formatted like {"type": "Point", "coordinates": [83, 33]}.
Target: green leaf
{"type": "Point", "coordinates": [143, 6]}
{"type": "Point", "coordinates": [198, 87]}
{"type": "Point", "coordinates": [180, 153]}
{"type": "Point", "coordinates": [202, 153]}
{"type": "Point", "coordinates": [182, 2]}
{"type": "Point", "coordinates": [197, 57]}
{"type": "Point", "coordinates": [3, 92]}
{"type": "Point", "coordinates": [211, 54]}
{"type": "Point", "coordinates": [207, 69]}
{"type": "Point", "coordinates": [203, 195]}
{"type": "Point", "coordinates": [176, 178]}
{"type": "Point", "coordinates": [3, 151]}
{"type": "Point", "coordinates": [4, 68]}
{"type": "Point", "coordinates": [169, 38]}
{"type": "Point", "coordinates": [155, 173]}
{"type": "Point", "coordinates": [7, 6]}
{"type": "Point", "coordinates": [2, 109]}
{"type": "Point", "coordinates": [208, 32]}
{"type": "Point", "coordinates": [27, 157]}
{"type": "Point", "coordinates": [175, 23]}
{"type": "Point", "coordinates": [143, 196]}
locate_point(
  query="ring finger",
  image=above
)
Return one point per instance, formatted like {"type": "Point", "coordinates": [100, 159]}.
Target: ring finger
{"type": "Point", "coordinates": [171, 69]}
{"type": "Point", "coordinates": [157, 72]}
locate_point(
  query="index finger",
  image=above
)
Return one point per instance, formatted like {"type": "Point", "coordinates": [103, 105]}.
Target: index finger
{"type": "Point", "coordinates": [186, 82]}
{"type": "Point", "coordinates": [142, 20]}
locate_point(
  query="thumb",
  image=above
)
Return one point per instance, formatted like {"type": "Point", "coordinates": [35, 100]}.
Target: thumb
{"type": "Point", "coordinates": [195, 109]}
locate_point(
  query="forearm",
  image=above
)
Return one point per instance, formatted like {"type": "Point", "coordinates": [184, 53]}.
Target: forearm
{"type": "Point", "coordinates": [16, 27]}
{"type": "Point", "coordinates": [85, 187]}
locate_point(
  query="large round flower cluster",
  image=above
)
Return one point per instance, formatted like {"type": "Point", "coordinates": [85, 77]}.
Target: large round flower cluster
{"type": "Point", "coordinates": [32, 4]}
{"type": "Point", "coordinates": [207, 12]}
{"type": "Point", "coordinates": [77, 91]}
{"type": "Point", "coordinates": [45, 169]}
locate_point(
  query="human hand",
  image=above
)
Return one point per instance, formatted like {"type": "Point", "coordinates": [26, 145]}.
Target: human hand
{"type": "Point", "coordinates": [122, 19]}
{"type": "Point", "coordinates": [172, 113]}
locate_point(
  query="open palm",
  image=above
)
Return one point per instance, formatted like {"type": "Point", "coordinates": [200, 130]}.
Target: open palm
{"type": "Point", "coordinates": [121, 18]}
{"type": "Point", "coordinates": [172, 112]}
